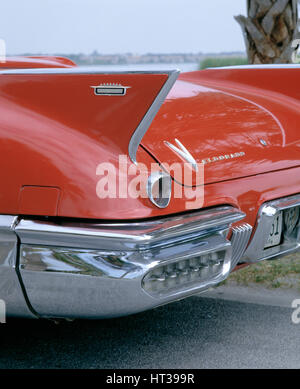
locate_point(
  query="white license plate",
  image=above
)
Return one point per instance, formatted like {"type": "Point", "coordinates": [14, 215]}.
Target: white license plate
{"type": "Point", "coordinates": [275, 233]}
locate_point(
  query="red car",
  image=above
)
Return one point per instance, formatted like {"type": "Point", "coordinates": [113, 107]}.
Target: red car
{"type": "Point", "coordinates": [124, 191]}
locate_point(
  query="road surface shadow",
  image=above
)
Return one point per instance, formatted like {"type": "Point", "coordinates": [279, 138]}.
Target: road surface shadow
{"type": "Point", "coordinates": [193, 333]}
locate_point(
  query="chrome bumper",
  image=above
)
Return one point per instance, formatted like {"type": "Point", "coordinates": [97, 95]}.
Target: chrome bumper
{"type": "Point", "coordinates": [107, 270]}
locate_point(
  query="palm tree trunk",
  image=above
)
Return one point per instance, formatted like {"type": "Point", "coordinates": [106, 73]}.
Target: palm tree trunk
{"type": "Point", "coordinates": [270, 30]}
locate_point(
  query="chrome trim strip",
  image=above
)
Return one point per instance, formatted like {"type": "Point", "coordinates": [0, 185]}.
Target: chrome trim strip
{"type": "Point", "coordinates": [148, 118]}
{"type": "Point", "coordinates": [266, 215]}
{"type": "Point", "coordinates": [267, 66]}
{"type": "Point", "coordinates": [80, 70]}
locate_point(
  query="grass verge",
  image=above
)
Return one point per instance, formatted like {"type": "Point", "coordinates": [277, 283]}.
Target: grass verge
{"type": "Point", "coordinates": [278, 273]}
{"type": "Point", "coordinates": [214, 62]}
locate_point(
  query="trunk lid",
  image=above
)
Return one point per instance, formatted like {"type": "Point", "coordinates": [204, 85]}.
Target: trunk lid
{"type": "Point", "coordinates": [233, 136]}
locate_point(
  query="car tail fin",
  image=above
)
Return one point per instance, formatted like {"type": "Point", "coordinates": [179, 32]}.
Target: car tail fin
{"type": "Point", "coordinates": [117, 107]}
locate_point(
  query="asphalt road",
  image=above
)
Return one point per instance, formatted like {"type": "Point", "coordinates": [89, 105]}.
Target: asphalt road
{"type": "Point", "coordinates": [198, 332]}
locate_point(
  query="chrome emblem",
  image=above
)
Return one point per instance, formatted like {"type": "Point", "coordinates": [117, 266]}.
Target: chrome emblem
{"type": "Point", "coordinates": [224, 157]}
{"type": "Point", "coordinates": [183, 153]}
{"type": "Point", "coordinates": [187, 156]}
{"type": "Point", "coordinates": [263, 142]}
{"type": "Point", "coordinates": [110, 89]}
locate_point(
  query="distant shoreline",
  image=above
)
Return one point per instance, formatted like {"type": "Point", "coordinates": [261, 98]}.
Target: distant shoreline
{"type": "Point", "coordinates": [131, 59]}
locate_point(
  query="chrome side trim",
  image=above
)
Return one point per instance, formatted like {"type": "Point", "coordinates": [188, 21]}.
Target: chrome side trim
{"type": "Point", "coordinates": [148, 118]}
{"type": "Point", "coordinates": [239, 240]}
{"type": "Point", "coordinates": [267, 66]}
{"type": "Point", "coordinates": [266, 215]}
{"type": "Point", "coordinates": [79, 70]}
{"type": "Point", "coordinates": [10, 289]}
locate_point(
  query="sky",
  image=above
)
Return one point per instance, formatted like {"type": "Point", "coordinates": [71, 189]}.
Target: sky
{"type": "Point", "coordinates": [121, 26]}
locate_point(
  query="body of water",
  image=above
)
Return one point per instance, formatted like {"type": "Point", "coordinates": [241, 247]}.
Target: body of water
{"type": "Point", "coordinates": [183, 67]}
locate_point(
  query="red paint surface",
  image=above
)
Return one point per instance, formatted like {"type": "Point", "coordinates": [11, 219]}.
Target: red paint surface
{"type": "Point", "coordinates": [39, 200]}
{"type": "Point", "coordinates": [54, 132]}
{"type": "Point", "coordinates": [36, 62]}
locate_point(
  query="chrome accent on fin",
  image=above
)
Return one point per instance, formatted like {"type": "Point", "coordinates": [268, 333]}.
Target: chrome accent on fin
{"type": "Point", "coordinates": [151, 113]}
{"type": "Point", "coordinates": [110, 89]}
